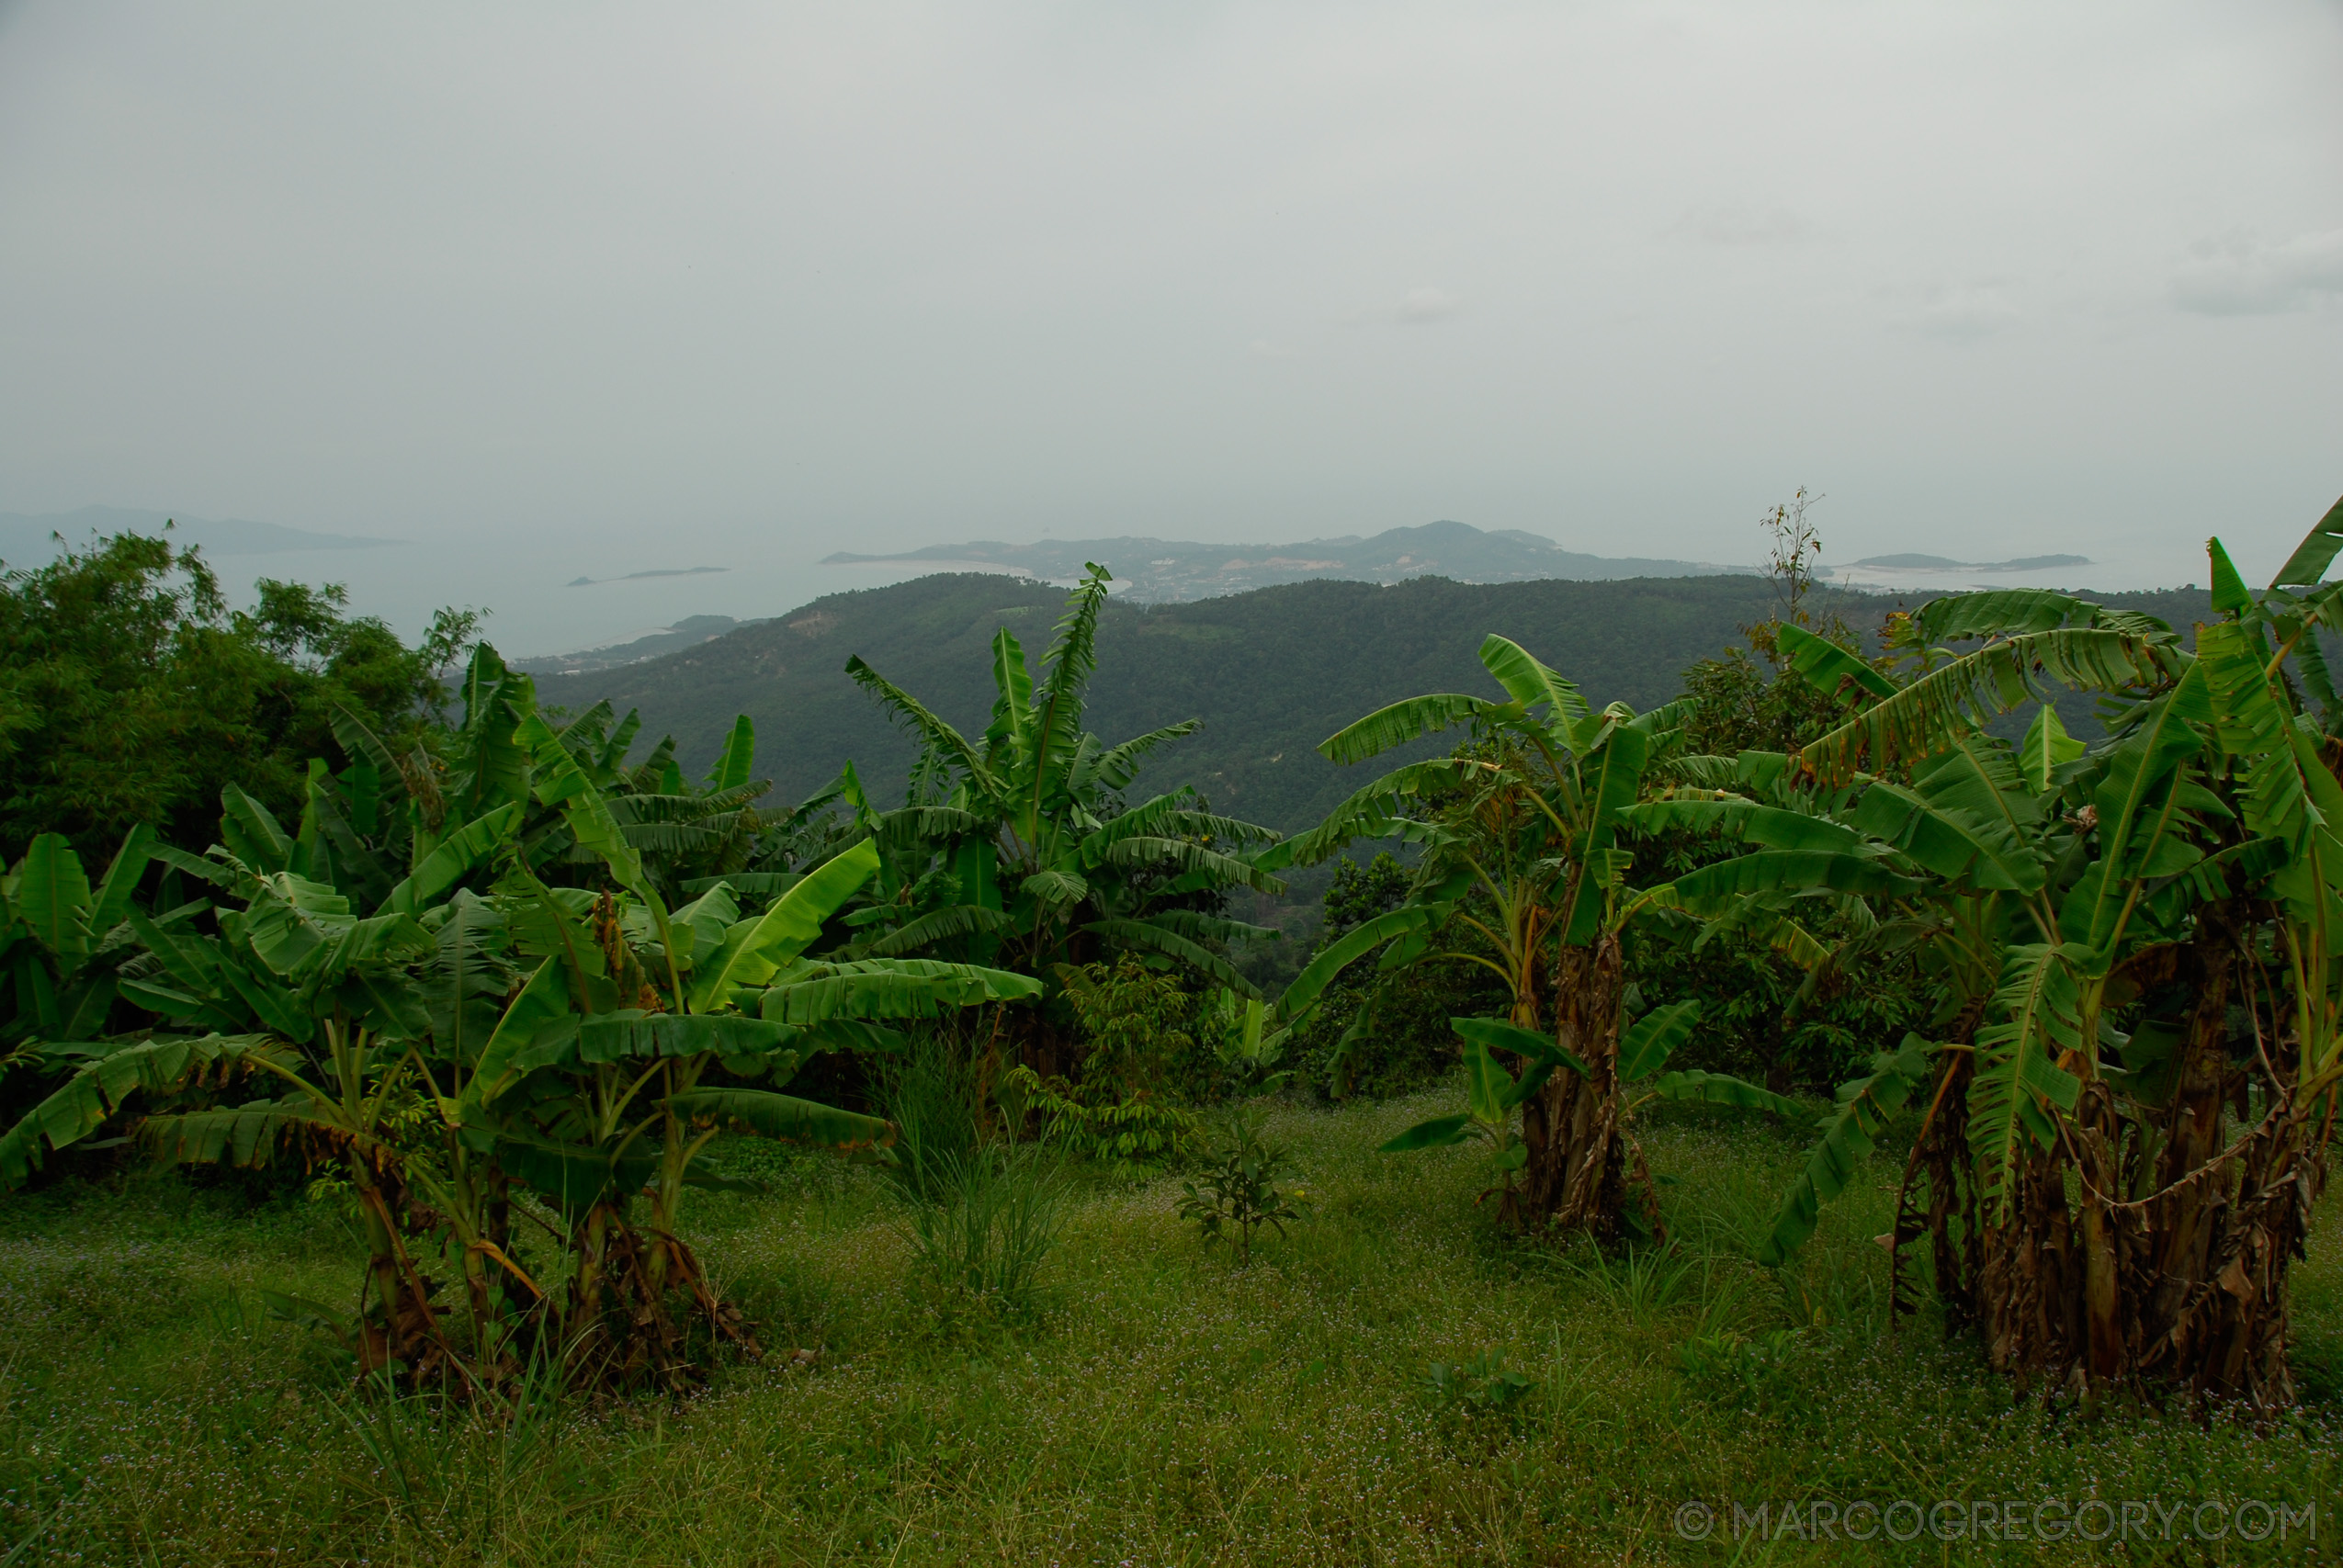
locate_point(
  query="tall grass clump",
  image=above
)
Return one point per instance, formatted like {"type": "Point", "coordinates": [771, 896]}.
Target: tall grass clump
{"type": "Point", "coordinates": [931, 1095]}
{"type": "Point", "coordinates": [980, 1240]}
{"type": "Point", "coordinates": [981, 1214]}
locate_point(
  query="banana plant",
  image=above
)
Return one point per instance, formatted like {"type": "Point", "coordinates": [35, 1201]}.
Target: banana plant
{"type": "Point", "coordinates": [386, 815]}
{"type": "Point", "coordinates": [72, 967]}
{"type": "Point", "coordinates": [1016, 848]}
{"type": "Point", "coordinates": [1248, 1048]}
{"type": "Point", "coordinates": [297, 967]}
{"type": "Point", "coordinates": [1522, 873]}
{"type": "Point", "coordinates": [605, 1053]}
{"type": "Point", "coordinates": [62, 942]}
{"type": "Point", "coordinates": [1493, 1093]}
{"type": "Point", "coordinates": [1952, 866]}
{"type": "Point", "coordinates": [2098, 913]}
{"type": "Point", "coordinates": [484, 1034]}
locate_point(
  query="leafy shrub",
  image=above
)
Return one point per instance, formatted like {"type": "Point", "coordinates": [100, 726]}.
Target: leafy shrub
{"type": "Point", "coordinates": [1759, 1020]}
{"type": "Point", "coordinates": [1486, 1385]}
{"type": "Point", "coordinates": [1238, 1193]}
{"type": "Point", "coordinates": [1138, 1028]}
{"type": "Point", "coordinates": [1140, 1057]}
{"type": "Point", "coordinates": [1134, 1137]}
{"type": "Point", "coordinates": [1736, 1367]}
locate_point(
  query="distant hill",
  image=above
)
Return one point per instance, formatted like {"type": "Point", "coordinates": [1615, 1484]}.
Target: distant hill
{"type": "Point", "coordinates": [1271, 672]}
{"type": "Point", "coordinates": [24, 537]}
{"type": "Point", "coordinates": [689, 632]}
{"type": "Point", "coordinates": [1176, 571]}
{"type": "Point", "coordinates": [1942, 563]}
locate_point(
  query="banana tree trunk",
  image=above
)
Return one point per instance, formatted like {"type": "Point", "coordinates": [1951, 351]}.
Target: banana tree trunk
{"type": "Point", "coordinates": [1938, 1196]}
{"type": "Point", "coordinates": [2106, 1343]}
{"type": "Point", "coordinates": [2233, 1206]}
{"type": "Point", "coordinates": [2030, 1287]}
{"type": "Point", "coordinates": [407, 1336]}
{"type": "Point", "coordinates": [2188, 1326]}
{"type": "Point", "coordinates": [590, 1267]}
{"type": "Point", "coordinates": [2170, 1265]}
{"type": "Point", "coordinates": [2230, 1340]}
{"type": "Point", "coordinates": [2181, 1222]}
{"type": "Point", "coordinates": [1575, 1175]}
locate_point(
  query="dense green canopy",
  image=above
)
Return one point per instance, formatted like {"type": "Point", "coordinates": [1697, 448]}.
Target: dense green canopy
{"type": "Point", "coordinates": [131, 693]}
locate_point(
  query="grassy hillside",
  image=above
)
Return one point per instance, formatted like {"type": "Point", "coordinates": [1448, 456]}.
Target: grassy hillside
{"type": "Point", "coordinates": [1271, 672]}
{"type": "Point", "coordinates": [1165, 1408]}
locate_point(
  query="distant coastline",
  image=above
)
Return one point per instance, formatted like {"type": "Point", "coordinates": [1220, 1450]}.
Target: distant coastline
{"type": "Point", "coordinates": [639, 576]}
{"type": "Point", "coordinates": [1152, 571]}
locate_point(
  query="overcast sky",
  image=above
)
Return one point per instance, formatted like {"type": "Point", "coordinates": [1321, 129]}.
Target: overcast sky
{"type": "Point", "coordinates": [577, 288]}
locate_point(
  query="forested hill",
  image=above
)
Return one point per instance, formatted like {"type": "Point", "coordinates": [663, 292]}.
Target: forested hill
{"type": "Point", "coordinates": [1271, 672]}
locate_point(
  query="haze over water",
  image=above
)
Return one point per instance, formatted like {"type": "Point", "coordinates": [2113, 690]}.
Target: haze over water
{"type": "Point", "coordinates": [550, 293]}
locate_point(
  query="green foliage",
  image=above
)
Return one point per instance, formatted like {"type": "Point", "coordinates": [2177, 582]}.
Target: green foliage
{"type": "Point", "coordinates": [1238, 1190]}
{"type": "Point", "coordinates": [1523, 876]}
{"type": "Point", "coordinates": [1487, 1386]}
{"type": "Point", "coordinates": [1141, 1059]}
{"type": "Point", "coordinates": [1733, 701]}
{"type": "Point", "coordinates": [1247, 1049]}
{"type": "Point", "coordinates": [1640, 1283]}
{"type": "Point", "coordinates": [2068, 905]}
{"type": "Point", "coordinates": [497, 957]}
{"type": "Point", "coordinates": [1359, 893]}
{"type": "Point", "coordinates": [1923, 716]}
{"type": "Point", "coordinates": [1017, 849]}
{"type": "Point", "coordinates": [488, 1030]}
{"type": "Point", "coordinates": [1753, 1372]}
{"type": "Point", "coordinates": [982, 1234]}
{"type": "Point", "coordinates": [130, 694]}
{"type": "Point", "coordinates": [1693, 1087]}
{"type": "Point", "coordinates": [1866, 1107]}
{"type": "Point", "coordinates": [930, 1092]}
{"type": "Point", "coordinates": [1765, 1017]}
{"type": "Point", "coordinates": [154, 1069]}
{"type": "Point", "coordinates": [2019, 1084]}
{"type": "Point", "coordinates": [1646, 1045]}
{"type": "Point", "coordinates": [1369, 1039]}
{"type": "Point", "coordinates": [1138, 1031]}
{"type": "Point", "coordinates": [1134, 1137]}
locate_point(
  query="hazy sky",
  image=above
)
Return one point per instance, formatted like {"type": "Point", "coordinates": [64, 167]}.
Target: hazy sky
{"type": "Point", "coordinates": [575, 287]}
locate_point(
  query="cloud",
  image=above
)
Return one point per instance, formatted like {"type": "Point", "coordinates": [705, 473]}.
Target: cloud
{"type": "Point", "coordinates": [1429, 305]}
{"type": "Point", "coordinates": [1966, 313]}
{"type": "Point", "coordinates": [2239, 276]}
{"type": "Point", "coordinates": [1740, 226]}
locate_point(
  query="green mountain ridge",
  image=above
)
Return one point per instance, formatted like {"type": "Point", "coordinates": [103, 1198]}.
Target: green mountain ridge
{"type": "Point", "coordinates": [1270, 673]}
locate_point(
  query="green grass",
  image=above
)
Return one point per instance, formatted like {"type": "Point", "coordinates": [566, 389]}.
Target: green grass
{"type": "Point", "coordinates": [1165, 1408]}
